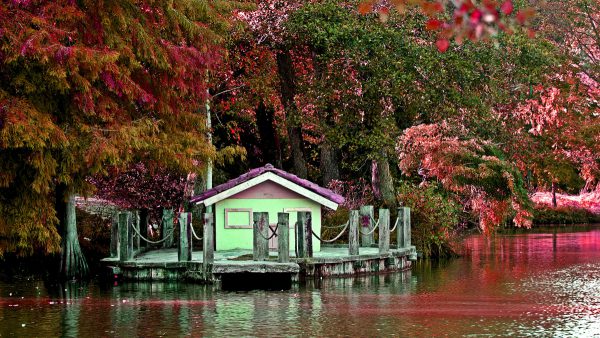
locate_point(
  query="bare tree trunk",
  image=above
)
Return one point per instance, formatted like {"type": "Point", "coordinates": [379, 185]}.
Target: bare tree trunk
{"type": "Point", "coordinates": [269, 144]}
{"type": "Point", "coordinates": [72, 262]}
{"type": "Point", "coordinates": [329, 163]}
{"type": "Point", "coordinates": [554, 204]}
{"type": "Point", "coordinates": [294, 128]}
{"type": "Point", "coordinates": [386, 182]}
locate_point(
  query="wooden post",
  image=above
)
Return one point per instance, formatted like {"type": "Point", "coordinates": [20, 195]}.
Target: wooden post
{"type": "Point", "coordinates": [208, 240]}
{"type": "Point", "coordinates": [366, 224]}
{"type": "Point", "coordinates": [353, 233]}
{"type": "Point", "coordinates": [136, 223]}
{"type": "Point", "coordinates": [260, 249]}
{"type": "Point", "coordinates": [126, 237]}
{"type": "Point", "coordinates": [304, 234]}
{"type": "Point", "coordinates": [114, 237]}
{"type": "Point", "coordinates": [306, 218]}
{"type": "Point", "coordinates": [143, 228]}
{"type": "Point", "coordinates": [384, 231]}
{"type": "Point", "coordinates": [184, 252]}
{"type": "Point", "coordinates": [283, 237]}
{"type": "Point", "coordinates": [167, 221]}
{"type": "Point", "coordinates": [403, 231]}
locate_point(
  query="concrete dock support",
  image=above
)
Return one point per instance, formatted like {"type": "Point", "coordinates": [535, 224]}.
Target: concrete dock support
{"type": "Point", "coordinates": [208, 239]}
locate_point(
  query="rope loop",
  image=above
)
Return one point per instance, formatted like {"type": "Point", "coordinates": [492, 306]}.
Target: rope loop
{"type": "Point", "coordinates": [150, 241]}
{"type": "Point", "coordinates": [335, 238]}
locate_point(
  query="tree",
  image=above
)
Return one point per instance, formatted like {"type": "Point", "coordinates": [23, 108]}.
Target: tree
{"type": "Point", "coordinates": [90, 83]}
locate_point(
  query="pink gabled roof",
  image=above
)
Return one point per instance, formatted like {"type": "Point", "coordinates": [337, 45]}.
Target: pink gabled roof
{"type": "Point", "coordinates": [324, 192]}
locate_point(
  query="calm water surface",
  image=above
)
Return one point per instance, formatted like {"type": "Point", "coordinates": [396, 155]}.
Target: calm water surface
{"type": "Point", "coordinates": [544, 284]}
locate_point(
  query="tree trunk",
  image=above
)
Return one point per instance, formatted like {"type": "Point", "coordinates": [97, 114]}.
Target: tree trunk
{"type": "Point", "coordinates": [269, 144]}
{"type": "Point", "coordinates": [386, 182]}
{"type": "Point", "coordinates": [329, 163]}
{"type": "Point", "coordinates": [554, 204]}
{"type": "Point", "coordinates": [287, 81]}
{"type": "Point", "coordinates": [72, 262]}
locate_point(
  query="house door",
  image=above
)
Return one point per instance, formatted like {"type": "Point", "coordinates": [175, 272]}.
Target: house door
{"type": "Point", "coordinates": [273, 240]}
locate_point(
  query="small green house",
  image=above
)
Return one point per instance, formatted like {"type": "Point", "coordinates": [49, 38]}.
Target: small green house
{"type": "Point", "coordinates": [264, 189]}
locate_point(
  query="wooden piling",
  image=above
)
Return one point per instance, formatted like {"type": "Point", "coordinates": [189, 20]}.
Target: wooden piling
{"type": "Point", "coordinates": [208, 239]}
{"type": "Point", "coordinates": [167, 229]}
{"type": "Point", "coordinates": [260, 248]}
{"type": "Point", "coordinates": [403, 230]}
{"type": "Point", "coordinates": [184, 252]}
{"type": "Point", "coordinates": [283, 237]}
{"type": "Point", "coordinates": [353, 232]}
{"type": "Point", "coordinates": [143, 228]}
{"type": "Point", "coordinates": [384, 231]}
{"type": "Point", "coordinates": [367, 213]}
{"type": "Point", "coordinates": [114, 237]}
{"type": "Point", "coordinates": [304, 234]}
{"type": "Point", "coordinates": [126, 237]}
{"type": "Point", "coordinates": [135, 221]}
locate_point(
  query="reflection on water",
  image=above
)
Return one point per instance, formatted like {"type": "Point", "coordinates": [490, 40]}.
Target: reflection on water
{"type": "Point", "coordinates": [543, 284]}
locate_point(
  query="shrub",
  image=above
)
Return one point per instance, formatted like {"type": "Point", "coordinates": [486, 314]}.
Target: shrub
{"type": "Point", "coordinates": [435, 219]}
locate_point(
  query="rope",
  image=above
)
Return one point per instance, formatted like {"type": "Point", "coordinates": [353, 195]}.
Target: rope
{"type": "Point", "coordinates": [335, 226]}
{"type": "Point", "coordinates": [194, 233]}
{"type": "Point", "coordinates": [335, 238]}
{"type": "Point", "coordinates": [149, 241]}
{"type": "Point", "coordinates": [372, 230]}
{"type": "Point", "coordinates": [395, 225]}
{"type": "Point", "coordinates": [272, 235]}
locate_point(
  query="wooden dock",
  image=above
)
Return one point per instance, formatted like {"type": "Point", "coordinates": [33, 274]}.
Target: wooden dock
{"type": "Point", "coordinates": [163, 265]}
{"type": "Point", "coordinates": [135, 263]}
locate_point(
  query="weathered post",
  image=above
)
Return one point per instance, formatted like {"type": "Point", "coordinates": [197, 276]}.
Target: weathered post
{"type": "Point", "coordinates": [126, 237]}
{"type": "Point", "coordinates": [143, 228]}
{"type": "Point", "coordinates": [114, 237]}
{"type": "Point", "coordinates": [184, 252]}
{"type": "Point", "coordinates": [403, 231]}
{"type": "Point", "coordinates": [208, 240]}
{"type": "Point", "coordinates": [137, 241]}
{"type": "Point", "coordinates": [384, 231]}
{"type": "Point", "coordinates": [366, 221]}
{"type": "Point", "coordinates": [308, 233]}
{"type": "Point", "coordinates": [260, 248]}
{"type": "Point", "coordinates": [167, 229]}
{"type": "Point", "coordinates": [304, 230]}
{"type": "Point", "coordinates": [283, 237]}
{"type": "Point", "coordinates": [353, 233]}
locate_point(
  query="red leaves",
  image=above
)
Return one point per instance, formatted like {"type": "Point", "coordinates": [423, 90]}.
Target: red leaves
{"type": "Point", "coordinates": [365, 7]}
{"type": "Point", "coordinates": [433, 24]}
{"type": "Point", "coordinates": [442, 45]}
{"type": "Point", "coordinates": [507, 7]}
{"type": "Point", "coordinates": [431, 8]}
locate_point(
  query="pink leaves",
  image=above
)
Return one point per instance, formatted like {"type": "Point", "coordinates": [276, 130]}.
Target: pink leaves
{"type": "Point", "coordinates": [442, 45]}
{"type": "Point", "coordinates": [507, 7]}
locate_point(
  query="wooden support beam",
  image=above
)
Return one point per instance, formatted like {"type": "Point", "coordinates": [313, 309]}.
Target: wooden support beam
{"type": "Point", "coordinates": [384, 231]}
{"type": "Point", "coordinates": [283, 237]}
{"type": "Point", "coordinates": [403, 230]}
{"type": "Point", "coordinates": [367, 213]}
{"type": "Point", "coordinates": [260, 248]}
{"type": "Point", "coordinates": [208, 239]}
{"type": "Point", "coordinates": [353, 232]}
{"type": "Point", "coordinates": [167, 227]}
{"type": "Point", "coordinates": [184, 252]}
{"type": "Point", "coordinates": [114, 236]}
{"type": "Point", "coordinates": [126, 237]}
{"type": "Point", "coordinates": [304, 231]}
{"type": "Point", "coordinates": [135, 222]}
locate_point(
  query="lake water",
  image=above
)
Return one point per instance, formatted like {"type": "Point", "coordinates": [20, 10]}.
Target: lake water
{"type": "Point", "coordinates": [535, 284]}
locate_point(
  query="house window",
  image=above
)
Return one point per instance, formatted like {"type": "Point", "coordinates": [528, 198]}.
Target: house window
{"type": "Point", "coordinates": [238, 218]}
